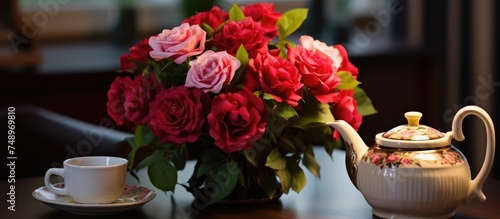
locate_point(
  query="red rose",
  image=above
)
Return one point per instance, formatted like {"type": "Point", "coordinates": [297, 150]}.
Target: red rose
{"type": "Point", "coordinates": [346, 65]}
{"type": "Point", "coordinates": [276, 76]}
{"type": "Point", "coordinates": [128, 100]}
{"type": "Point", "coordinates": [246, 32]}
{"type": "Point", "coordinates": [116, 99]}
{"type": "Point", "coordinates": [176, 115]}
{"type": "Point", "coordinates": [213, 18]}
{"type": "Point", "coordinates": [266, 15]}
{"type": "Point", "coordinates": [138, 55]}
{"type": "Point", "coordinates": [317, 73]}
{"type": "Point", "coordinates": [236, 120]}
{"type": "Point", "coordinates": [346, 109]}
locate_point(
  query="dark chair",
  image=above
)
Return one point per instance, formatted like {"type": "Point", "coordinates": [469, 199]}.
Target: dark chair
{"type": "Point", "coordinates": [44, 139]}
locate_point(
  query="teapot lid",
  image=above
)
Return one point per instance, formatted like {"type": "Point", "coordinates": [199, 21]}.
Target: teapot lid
{"type": "Point", "coordinates": [413, 135]}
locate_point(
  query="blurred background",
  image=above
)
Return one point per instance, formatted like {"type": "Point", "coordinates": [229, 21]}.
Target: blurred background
{"type": "Point", "coordinates": [423, 55]}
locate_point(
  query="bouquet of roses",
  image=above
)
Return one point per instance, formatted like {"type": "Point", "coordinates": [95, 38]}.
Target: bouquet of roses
{"type": "Point", "coordinates": [231, 91]}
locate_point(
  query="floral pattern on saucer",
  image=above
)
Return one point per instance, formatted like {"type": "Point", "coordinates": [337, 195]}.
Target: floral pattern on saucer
{"type": "Point", "coordinates": [131, 193]}
{"type": "Point", "coordinates": [133, 196]}
{"type": "Point", "coordinates": [394, 159]}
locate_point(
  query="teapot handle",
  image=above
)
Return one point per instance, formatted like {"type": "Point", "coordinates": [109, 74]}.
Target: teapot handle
{"type": "Point", "coordinates": [475, 188]}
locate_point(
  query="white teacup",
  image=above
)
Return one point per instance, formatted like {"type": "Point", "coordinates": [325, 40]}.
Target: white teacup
{"type": "Point", "coordinates": [92, 179]}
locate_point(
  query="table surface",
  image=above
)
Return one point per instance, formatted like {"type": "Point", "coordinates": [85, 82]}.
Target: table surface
{"type": "Point", "coordinates": [332, 196]}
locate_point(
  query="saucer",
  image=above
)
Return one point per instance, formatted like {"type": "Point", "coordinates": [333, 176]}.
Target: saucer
{"type": "Point", "coordinates": [133, 196]}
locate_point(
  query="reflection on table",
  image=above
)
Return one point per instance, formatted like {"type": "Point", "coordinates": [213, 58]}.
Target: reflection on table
{"type": "Point", "coordinates": [332, 196]}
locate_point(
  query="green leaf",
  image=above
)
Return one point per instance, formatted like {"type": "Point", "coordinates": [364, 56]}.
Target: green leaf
{"type": "Point", "coordinates": [336, 144]}
{"type": "Point", "coordinates": [208, 29]}
{"type": "Point", "coordinates": [205, 168]}
{"type": "Point", "coordinates": [213, 154]}
{"type": "Point", "coordinates": [235, 13]}
{"type": "Point", "coordinates": [251, 155]}
{"type": "Point", "coordinates": [323, 136]}
{"type": "Point", "coordinates": [242, 55]}
{"type": "Point", "coordinates": [365, 106]}
{"type": "Point", "coordinates": [276, 123]}
{"type": "Point", "coordinates": [290, 21]}
{"type": "Point", "coordinates": [163, 174]}
{"type": "Point", "coordinates": [285, 111]}
{"type": "Point", "coordinates": [211, 159]}
{"type": "Point", "coordinates": [131, 154]}
{"type": "Point", "coordinates": [347, 81]}
{"type": "Point", "coordinates": [285, 179]}
{"type": "Point", "coordinates": [169, 73]}
{"type": "Point", "coordinates": [138, 135]}
{"type": "Point", "coordinates": [287, 145]}
{"type": "Point", "coordinates": [221, 183]}
{"type": "Point", "coordinates": [275, 160]}
{"type": "Point", "coordinates": [143, 137]}
{"type": "Point", "coordinates": [281, 44]}
{"type": "Point", "coordinates": [310, 162]}
{"type": "Point", "coordinates": [164, 146]}
{"type": "Point", "coordinates": [268, 182]}
{"type": "Point", "coordinates": [221, 26]}
{"type": "Point", "coordinates": [148, 160]}
{"type": "Point", "coordinates": [179, 157]}
{"type": "Point", "coordinates": [241, 180]}
{"type": "Point", "coordinates": [147, 136]}
{"type": "Point", "coordinates": [267, 96]}
{"type": "Point", "coordinates": [313, 115]}
{"type": "Point", "coordinates": [257, 155]}
{"type": "Point", "coordinates": [297, 176]}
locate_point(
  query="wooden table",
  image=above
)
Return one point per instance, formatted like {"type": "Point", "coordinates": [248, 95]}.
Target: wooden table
{"type": "Point", "coordinates": [331, 197]}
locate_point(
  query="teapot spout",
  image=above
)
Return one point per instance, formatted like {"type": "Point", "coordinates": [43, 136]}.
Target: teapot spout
{"type": "Point", "coordinates": [355, 146]}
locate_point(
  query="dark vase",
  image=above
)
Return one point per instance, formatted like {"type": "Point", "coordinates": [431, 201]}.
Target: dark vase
{"type": "Point", "coordinates": [250, 191]}
{"type": "Point", "coordinates": [247, 191]}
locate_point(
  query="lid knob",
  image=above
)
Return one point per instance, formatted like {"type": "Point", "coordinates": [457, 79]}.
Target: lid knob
{"type": "Point", "coordinates": [413, 118]}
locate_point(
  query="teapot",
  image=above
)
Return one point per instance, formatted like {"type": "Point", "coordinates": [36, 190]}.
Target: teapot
{"type": "Point", "coordinates": [413, 171]}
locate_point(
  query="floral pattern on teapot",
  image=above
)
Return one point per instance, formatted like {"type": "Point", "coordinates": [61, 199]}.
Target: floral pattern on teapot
{"type": "Point", "coordinates": [429, 158]}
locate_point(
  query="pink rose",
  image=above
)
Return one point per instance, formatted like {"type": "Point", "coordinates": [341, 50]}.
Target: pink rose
{"type": "Point", "coordinates": [236, 120]}
{"type": "Point", "coordinates": [276, 76]}
{"type": "Point", "coordinates": [317, 73]}
{"type": "Point", "coordinates": [392, 159]}
{"type": "Point", "coordinates": [330, 52]}
{"type": "Point", "coordinates": [179, 43]}
{"type": "Point", "coordinates": [376, 159]}
{"type": "Point", "coordinates": [138, 56]}
{"type": "Point", "coordinates": [177, 115]}
{"type": "Point", "coordinates": [247, 32]}
{"type": "Point", "coordinates": [128, 100]}
{"type": "Point", "coordinates": [265, 14]}
{"type": "Point", "coordinates": [405, 161]}
{"type": "Point", "coordinates": [346, 109]}
{"type": "Point", "coordinates": [211, 71]}
{"type": "Point", "coordinates": [448, 157]}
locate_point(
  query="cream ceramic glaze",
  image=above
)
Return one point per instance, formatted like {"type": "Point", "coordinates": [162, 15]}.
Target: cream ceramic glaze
{"type": "Point", "coordinates": [413, 171]}
{"type": "Point", "coordinates": [92, 179]}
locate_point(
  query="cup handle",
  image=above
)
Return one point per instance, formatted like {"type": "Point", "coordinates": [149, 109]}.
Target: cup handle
{"type": "Point", "coordinates": [52, 188]}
